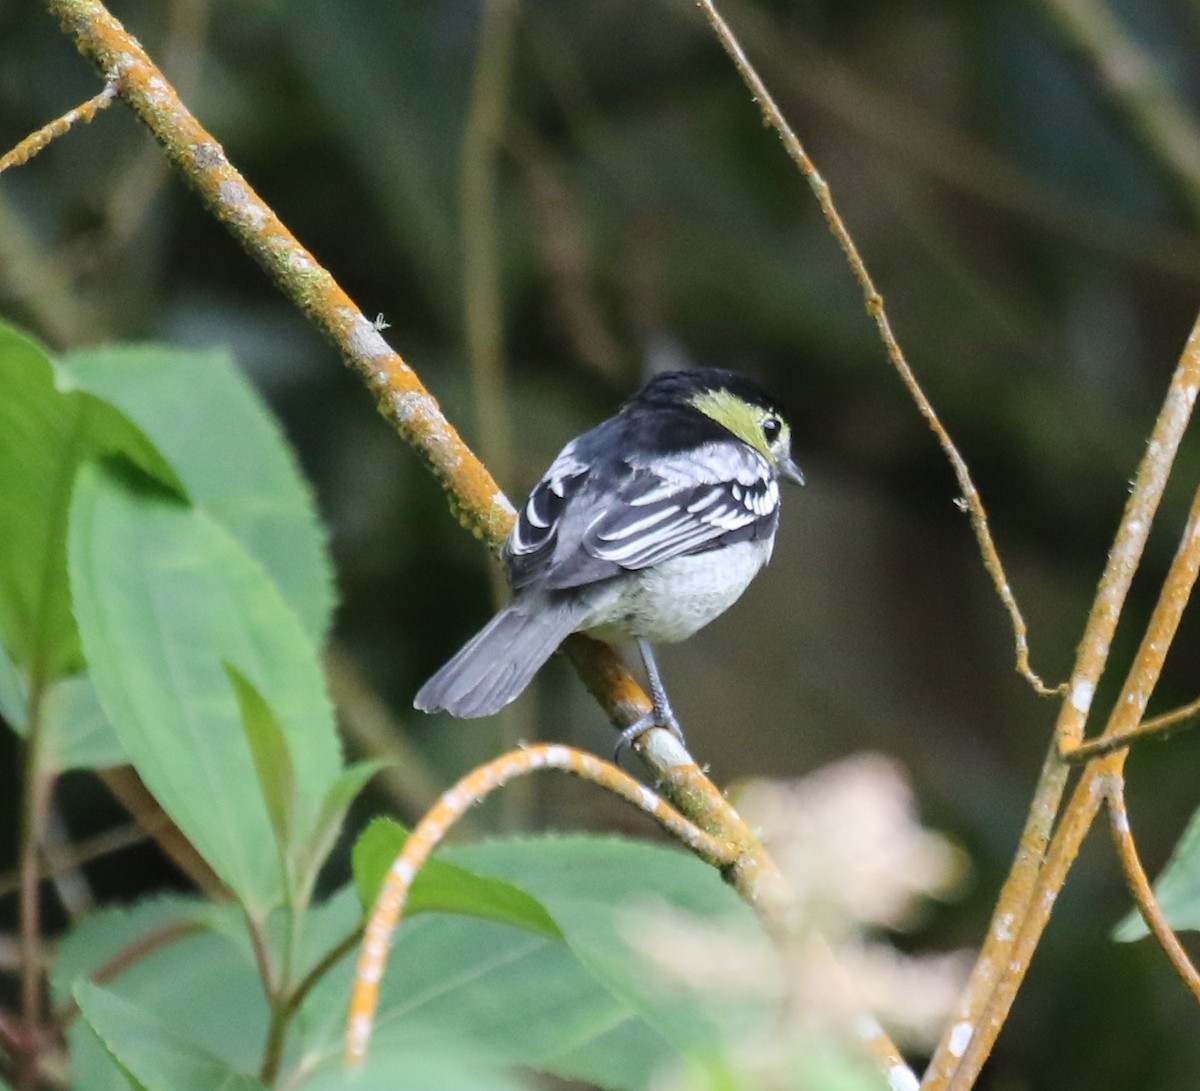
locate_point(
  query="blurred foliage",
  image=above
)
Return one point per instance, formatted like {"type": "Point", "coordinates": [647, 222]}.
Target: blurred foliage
{"type": "Point", "coordinates": [1041, 266]}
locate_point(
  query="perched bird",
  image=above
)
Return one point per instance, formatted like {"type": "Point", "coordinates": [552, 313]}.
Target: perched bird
{"type": "Point", "coordinates": [648, 527]}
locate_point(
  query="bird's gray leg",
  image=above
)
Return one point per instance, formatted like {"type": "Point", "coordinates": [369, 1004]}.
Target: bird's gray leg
{"type": "Point", "coordinates": [662, 715]}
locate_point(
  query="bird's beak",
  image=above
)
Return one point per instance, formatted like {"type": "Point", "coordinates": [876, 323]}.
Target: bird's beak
{"type": "Point", "coordinates": [789, 471]}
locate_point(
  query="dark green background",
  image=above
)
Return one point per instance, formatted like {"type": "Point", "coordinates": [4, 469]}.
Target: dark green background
{"type": "Point", "coordinates": [1042, 270]}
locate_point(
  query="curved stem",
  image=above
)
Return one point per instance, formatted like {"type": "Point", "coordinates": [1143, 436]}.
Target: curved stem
{"type": "Point", "coordinates": [437, 823]}
{"type": "Point", "coordinates": [1139, 886]}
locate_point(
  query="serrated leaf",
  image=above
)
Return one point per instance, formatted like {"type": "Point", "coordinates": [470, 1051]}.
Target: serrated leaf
{"type": "Point", "coordinates": [153, 1052]}
{"type": "Point", "coordinates": [230, 454]}
{"type": "Point", "coordinates": [1177, 889]}
{"type": "Point", "coordinates": [441, 887]}
{"type": "Point", "coordinates": [164, 595]}
{"type": "Point", "coordinates": [203, 982]}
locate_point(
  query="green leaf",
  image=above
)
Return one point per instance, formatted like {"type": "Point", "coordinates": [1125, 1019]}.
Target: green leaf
{"type": "Point", "coordinates": [441, 887]}
{"type": "Point", "coordinates": [45, 434]}
{"type": "Point", "coordinates": [342, 792]}
{"type": "Point", "coordinates": [229, 453]}
{"type": "Point", "coordinates": [110, 934]}
{"type": "Point", "coordinates": [1177, 889]}
{"type": "Point", "coordinates": [488, 993]}
{"type": "Point", "coordinates": [14, 701]}
{"type": "Point", "coordinates": [428, 1070]}
{"type": "Point", "coordinates": [164, 596]}
{"type": "Point", "coordinates": [152, 1051]}
{"type": "Point", "coordinates": [272, 761]}
{"type": "Point", "coordinates": [202, 982]}
{"type": "Point", "coordinates": [589, 885]}
{"type": "Point", "coordinates": [75, 732]}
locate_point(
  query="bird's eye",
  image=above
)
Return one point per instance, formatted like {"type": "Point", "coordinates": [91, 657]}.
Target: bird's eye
{"type": "Point", "coordinates": [771, 428]}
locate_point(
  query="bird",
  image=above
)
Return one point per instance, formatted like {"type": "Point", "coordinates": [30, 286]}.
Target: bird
{"type": "Point", "coordinates": [644, 528]}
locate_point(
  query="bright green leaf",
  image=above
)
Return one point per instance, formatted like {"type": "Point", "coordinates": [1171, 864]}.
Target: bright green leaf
{"type": "Point", "coordinates": [230, 454]}
{"type": "Point", "coordinates": [1177, 888]}
{"type": "Point", "coordinates": [154, 1052]}
{"type": "Point", "coordinates": [45, 434]}
{"type": "Point", "coordinates": [441, 887]}
{"type": "Point", "coordinates": [272, 761]}
{"type": "Point", "coordinates": [164, 596]}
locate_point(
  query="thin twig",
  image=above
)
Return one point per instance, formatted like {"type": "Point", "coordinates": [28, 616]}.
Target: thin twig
{"type": "Point", "coordinates": [1031, 878]}
{"type": "Point", "coordinates": [1163, 724]}
{"type": "Point", "coordinates": [969, 500]}
{"type": "Point", "coordinates": [429, 832]}
{"type": "Point", "coordinates": [1139, 886]}
{"type": "Point", "coordinates": [36, 141]}
{"type": "Point", "coordinates": [1028, 921]}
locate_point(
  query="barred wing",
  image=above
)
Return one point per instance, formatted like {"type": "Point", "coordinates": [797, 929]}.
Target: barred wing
{"type": "Point", "coordinates": [572, 533]}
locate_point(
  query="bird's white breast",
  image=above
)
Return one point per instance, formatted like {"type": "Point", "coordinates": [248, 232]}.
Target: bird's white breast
{"type": "Point", "coordinates": [669, 601]}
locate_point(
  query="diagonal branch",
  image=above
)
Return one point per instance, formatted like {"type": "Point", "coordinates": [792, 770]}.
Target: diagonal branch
{"type": "Point", "coordinates": [1035, 881]}
{"type": "Point", "coordinates": [400, 396]}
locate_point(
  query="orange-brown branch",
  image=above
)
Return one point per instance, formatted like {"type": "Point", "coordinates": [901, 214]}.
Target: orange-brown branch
{"type": "Point", "coordinates": [437, 823]}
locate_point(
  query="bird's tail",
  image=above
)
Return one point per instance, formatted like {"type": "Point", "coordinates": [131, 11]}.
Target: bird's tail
{"type": "Point", "coordinates": [498, 662]}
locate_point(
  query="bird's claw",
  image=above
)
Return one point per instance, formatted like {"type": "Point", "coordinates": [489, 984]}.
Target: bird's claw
{"type": "Point", "coordinates": [657, 717]}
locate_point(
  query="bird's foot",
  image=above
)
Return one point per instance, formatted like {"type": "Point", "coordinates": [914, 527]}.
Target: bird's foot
{"type": "Point", "coordinates": [663, 717]}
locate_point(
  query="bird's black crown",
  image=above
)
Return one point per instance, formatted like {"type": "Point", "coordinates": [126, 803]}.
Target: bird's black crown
{"type": "Point", "coordinates": [675, 388]}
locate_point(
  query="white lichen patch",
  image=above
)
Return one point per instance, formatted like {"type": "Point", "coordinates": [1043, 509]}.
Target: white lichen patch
{"type": "Point", "coordinates": [404, 871]}
{"type": "Point", "coordinates": [1081, 696]}
{"type": "Point", "coordinates": [412, 405]}
{"type": "Point", "coordinates": [232, 194]}
{"type": "Point", "coordinates": [207, 155]}
{"type": "Point", "coordinates": [366, 342]}
{"type": "Point", "coordinates": [666, 750]}
{"type": "Point", "coordinates": [650, 801]}
{"type": "Point", "coordinates": [901, 1078]}
{"type": "Point", "coordinates": [960, 1037]}
{"type": "Point", "coordinates": [558, 756]}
